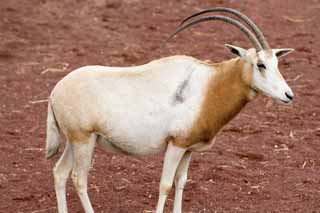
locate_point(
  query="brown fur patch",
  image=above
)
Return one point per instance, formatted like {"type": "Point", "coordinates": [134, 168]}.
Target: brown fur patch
{"type": "Point", "coordinates": [227, 93]}
{"type": "Point", "coordinates": [78, 136]}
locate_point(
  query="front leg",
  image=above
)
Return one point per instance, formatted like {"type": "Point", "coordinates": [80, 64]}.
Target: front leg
{"type": "Point", "coordinates": [180, 181]}
{"type": "Point", "coordinates": [172, 159]}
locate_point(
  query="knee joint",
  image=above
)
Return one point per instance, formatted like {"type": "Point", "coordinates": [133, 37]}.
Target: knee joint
{"type": "Point", "coordinates": [78, 183]}
{"type": "Point", "coordinates": [165, 188]}
{"type": "Point", "coordinates": [57, 174]}
{"type": "Point", "coordinates": [59, 179]}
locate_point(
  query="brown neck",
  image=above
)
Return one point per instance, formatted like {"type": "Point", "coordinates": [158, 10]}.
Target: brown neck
{"type": "Point", "coordinates": [228, 92]}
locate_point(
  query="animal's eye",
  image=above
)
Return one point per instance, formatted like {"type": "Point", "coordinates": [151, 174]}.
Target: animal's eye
{"type": "Point", "coordinates": [261, 66]}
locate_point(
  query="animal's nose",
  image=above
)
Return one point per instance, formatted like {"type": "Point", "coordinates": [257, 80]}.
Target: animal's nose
{"type": "Point", "coordinates": [289, 95]}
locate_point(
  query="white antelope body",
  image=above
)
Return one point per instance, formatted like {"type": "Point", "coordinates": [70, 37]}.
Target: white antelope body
{"type": "Point", "coordinates": [176, 104]}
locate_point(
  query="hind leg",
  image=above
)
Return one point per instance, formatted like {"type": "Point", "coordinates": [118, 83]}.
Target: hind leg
{"type": "Point", "coordinates": [83, 151]}
{"type": "Point", "coordinates": [61, 173]}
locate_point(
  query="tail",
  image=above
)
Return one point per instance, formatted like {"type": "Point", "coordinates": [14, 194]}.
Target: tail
{"type": "Point", "coordinates": [53, 134]}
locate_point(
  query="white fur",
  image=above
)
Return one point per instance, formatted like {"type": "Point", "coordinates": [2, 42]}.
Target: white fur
{"type": "Point", "coordinates": [271, 82]}
{"type": "Point", "coordinates": [133, 110]}
{"type": "Point", "coordinates": [111, 95]}
{"type": "Point", "coordinates": [130, 110]}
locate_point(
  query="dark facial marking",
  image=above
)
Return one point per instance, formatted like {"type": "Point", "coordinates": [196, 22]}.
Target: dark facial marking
{"type": "Point", "coordinates": [261, 66]}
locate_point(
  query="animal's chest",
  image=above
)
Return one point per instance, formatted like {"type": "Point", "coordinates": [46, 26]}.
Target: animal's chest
{"type": "Point", "coordinates": [220, 106]}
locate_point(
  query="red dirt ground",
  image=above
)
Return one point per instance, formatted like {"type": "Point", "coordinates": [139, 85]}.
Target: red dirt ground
{"type": "Point", "coordinates": [265, 160]}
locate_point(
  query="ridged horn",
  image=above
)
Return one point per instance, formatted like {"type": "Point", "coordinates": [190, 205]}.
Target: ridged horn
{"type": "Point", "coordinates": [236, 23]}
{"type": "Point", "coordinates": [248, 21]}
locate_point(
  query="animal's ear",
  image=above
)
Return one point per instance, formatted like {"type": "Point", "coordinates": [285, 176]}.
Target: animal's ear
{"type": "Point", "coordinates": [238, 51]}
{"type": "Point", "coordinates": [282, 52]}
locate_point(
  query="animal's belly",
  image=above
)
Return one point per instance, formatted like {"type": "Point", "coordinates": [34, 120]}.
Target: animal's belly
{"type": "Point", "coordinates": [138, 129]}
{"type": "Point", "coordinates": [138, 147]}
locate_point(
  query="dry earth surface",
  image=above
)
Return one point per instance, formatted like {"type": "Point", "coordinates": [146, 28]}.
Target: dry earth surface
{"type": "Point", "coordinates": [265, 160]}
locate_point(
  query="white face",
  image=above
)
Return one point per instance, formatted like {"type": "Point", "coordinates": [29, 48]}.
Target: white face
{"type": "Point", "coordinates": [266, 76]}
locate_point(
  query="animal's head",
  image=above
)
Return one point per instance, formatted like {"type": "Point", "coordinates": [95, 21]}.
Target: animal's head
{"type": "Point", "coordinates": [264, 72]}
{"type": "Point", "coordinates": [262, 60]}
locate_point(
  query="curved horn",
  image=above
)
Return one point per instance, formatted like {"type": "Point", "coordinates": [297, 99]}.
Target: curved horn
{"type": "Point", "coordinates": [240, 15]}
{"type": "Point", "coordinates": [248, 33]}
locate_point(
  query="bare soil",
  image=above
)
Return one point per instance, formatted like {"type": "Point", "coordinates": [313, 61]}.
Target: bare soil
{"type": "Point", "coordinates": [265, 160]}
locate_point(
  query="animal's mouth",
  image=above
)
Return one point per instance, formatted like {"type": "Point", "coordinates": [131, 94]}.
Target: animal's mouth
{"type": "Point", "coordinates": [285, 101]}
{"type": "Point", "coordinates": [288, 99]}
